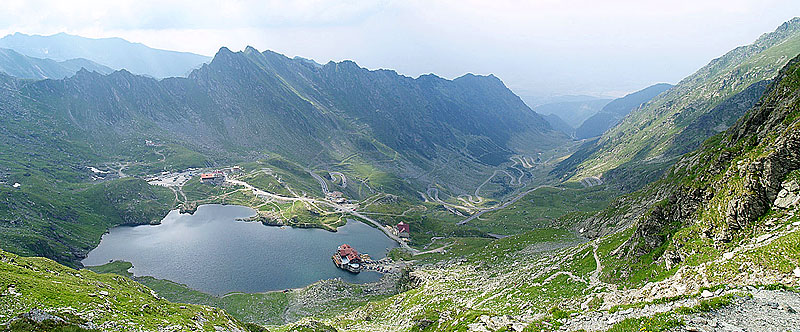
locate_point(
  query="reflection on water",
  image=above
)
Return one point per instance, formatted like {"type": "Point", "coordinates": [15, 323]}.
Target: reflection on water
{"type": "Point", "coordinates": [212, 252]}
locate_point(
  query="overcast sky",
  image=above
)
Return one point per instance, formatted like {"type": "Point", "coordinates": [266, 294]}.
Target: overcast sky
{"type": "Point", "coordinates": [537, 47]}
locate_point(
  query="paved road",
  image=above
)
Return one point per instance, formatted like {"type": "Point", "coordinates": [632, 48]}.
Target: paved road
{"type": "Point", "coordinates": [479, 213]}
{"type": "Point", "coordinates": [344, 178]}
{"type": "Point", "coordinates": [321, 181]}
{"type": "Point", "coordinates": [591, 181]}
{"type": "Point", "coordinates": [434, 195]}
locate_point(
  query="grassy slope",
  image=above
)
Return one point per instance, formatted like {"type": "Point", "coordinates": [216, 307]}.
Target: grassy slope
{"type": "Point", "coordinates": [269, 308]}
{"type": "Point", "coordinates": [644, 136]}
{"type": "Point", "coordinates": [64, 220]}
{"type": "Point", "coordinates": [59, 211]}
{"type": "Point", "coordinates": [726, 186]}
{"type": "Point", "coordinates": [262, 308]}
{"type": "Point", "coordinates": [522, 276]}
{"type": "Point", "coordinates": [110, 302]}
{"type": "Point", "coordinates": [544, 207]}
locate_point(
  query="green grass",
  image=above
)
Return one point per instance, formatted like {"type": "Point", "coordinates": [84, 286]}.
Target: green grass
{"type": "Point", "coordinates": [669, 320]}
{"type": "Point", "coordinates": [266, 183]}
{"type": "Point", "coordinates": [116, 267]}
{"type": "Point", "coordinates": [479, 249]}
{"type": "Point", "coordinates": [27, 325]}
{"type": "Point", "coordinates": [709, 305]}
{"type": "Point", "coordinates": [543, 207]}
{"type": "Point", "coordinates": [169, 157]}
{"type": "Point", "coordinates": [261, 308]}
{"type": "Point", "coordinates": [106, 298]}
{"type": "Point", "coordinates": [650, 132]}
{"type": "Point", "coordinates": [57, 220]}
{"type": "Point", "coordinates": [268, 308]}
{"type": "Point", "coordinates": [656, 323]}
{"type": "Point", "coordinates": [197, 191]}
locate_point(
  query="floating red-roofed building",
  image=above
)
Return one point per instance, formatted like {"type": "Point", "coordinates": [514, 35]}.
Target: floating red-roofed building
{"type": "Point", "coordinates": [347, 258]}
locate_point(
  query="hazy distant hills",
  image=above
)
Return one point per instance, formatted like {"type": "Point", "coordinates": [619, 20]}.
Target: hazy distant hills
{"type": "Point", "coordinates": [21, 66]}
{"type": "Point", "coordinates": [648, 141]}
{"type": "Point", "coordinates": [573, 112]}
{"type": "Point", "coordinates": [558, 124]}
{"type": "Point", "coordinates": [594, 122]}
{"type": "Point", "coordinates": [536, 100]}
{"type": "Point", "coordinates": [617, 109]}
{"type": "Point", "coordinates": [115, 53]}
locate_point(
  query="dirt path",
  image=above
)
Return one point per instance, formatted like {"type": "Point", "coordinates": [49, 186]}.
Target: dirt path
{"type": "Point", "coordinates": [119, 168]}
{"type": "Point", "coordinates": [594, 278]}
{"type": "Point", "coordinates": [161, 154]}
{"type": "Point", "coordinates": [764, 310]}
{"type": "Point", "coordinates": [176, 195]}
{"type": "Point", "coordinates": [440, 249]}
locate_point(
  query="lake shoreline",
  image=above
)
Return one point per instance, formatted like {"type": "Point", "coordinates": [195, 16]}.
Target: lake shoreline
{"type": "Point", "coordinates": [219, 249]}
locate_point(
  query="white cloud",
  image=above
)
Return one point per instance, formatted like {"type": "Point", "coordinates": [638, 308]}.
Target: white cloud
{"type": "Point", "coordinates": [543, 46]}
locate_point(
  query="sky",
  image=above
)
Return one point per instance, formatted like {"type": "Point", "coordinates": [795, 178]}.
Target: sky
{"type": "Point", "coordinates": [538, 47]}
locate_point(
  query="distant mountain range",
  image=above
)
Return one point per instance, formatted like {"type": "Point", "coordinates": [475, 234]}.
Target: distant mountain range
{"type": "Point", "coordinates": [266, 101]}
{"type": "Point", "coordinates": [536, 100]}
{"type": "Point", "coordinates": [395, 133]}
{"type": "Point", "coordinates": [579, 107]}
{"type": "Point", "coordinates": [18, 65]}
{"type": "Point", "coordinates": [649, 140]}
{"type": "Point", "coordinates": [115, 53]}
{"type": "Point", "coordinates": [573, 112]}
{"type": "Point", "coordinates": [617, 109]}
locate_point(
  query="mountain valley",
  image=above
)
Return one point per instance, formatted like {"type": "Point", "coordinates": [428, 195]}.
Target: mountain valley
{"type": "Point", "coordinates": [673, 208]}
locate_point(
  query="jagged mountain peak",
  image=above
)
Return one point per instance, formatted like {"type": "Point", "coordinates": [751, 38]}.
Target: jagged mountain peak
{"type": "Point", "coordinates": [292, 105]}
{"type": "Point", "coordinates": [85, 73]}
{"type": "Point", "coordinates": [223, 50]}
{"type": "Point", "coordinates": [792, 24]}
{"type": "Point", "coordinates": [472, 76]}
{"type": "Point", "coordinates": [250, 49]}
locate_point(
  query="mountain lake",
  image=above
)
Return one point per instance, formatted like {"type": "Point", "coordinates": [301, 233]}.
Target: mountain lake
{"type": "Point", "coordinates": [211, 251]}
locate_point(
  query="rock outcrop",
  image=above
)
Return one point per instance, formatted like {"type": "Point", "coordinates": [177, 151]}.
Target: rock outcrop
{"type": "Point", "coordinates": [789, 196]}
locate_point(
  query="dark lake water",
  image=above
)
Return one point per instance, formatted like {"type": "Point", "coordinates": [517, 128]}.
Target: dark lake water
{"type": "Point", "coordinates": [212, 252]}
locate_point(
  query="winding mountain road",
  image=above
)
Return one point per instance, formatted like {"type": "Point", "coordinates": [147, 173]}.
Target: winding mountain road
{"type": "Point", "coordinates": [344, 178]}
{"type": "Point", "coordinates": [322, 183]}
{"type": "Point", "coordinates": [504, 205]}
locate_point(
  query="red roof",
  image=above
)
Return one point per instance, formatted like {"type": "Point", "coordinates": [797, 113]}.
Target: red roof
{"type": "Point", "coordinates": [206, 176]}
{"type": "Point", "coordinates": [403, 227]}
{"type": "Point", "coordinates": [348, 251]}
